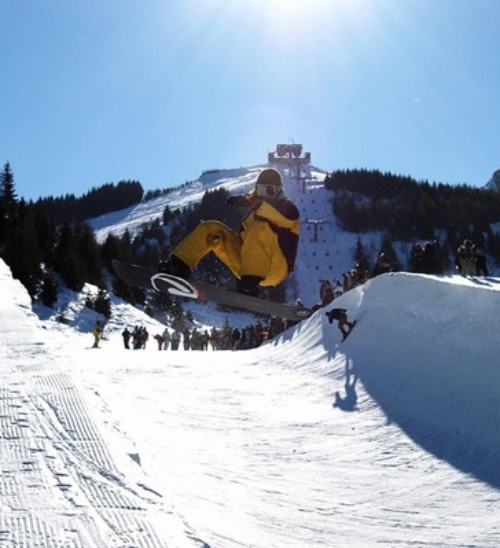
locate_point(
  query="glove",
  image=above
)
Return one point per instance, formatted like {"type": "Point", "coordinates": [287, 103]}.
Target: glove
{"type": "Point", "coordinates": [253, 201]}
{"type": "Point", "coordinates": [237, 201]}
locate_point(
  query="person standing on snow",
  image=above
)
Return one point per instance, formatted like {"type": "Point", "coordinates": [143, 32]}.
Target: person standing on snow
{"type": "Point", "coordinates": [166, 339]}
{"type": "Point", "coordinates": [126, 338]}
{"type": "Point", "coordinates": [159, 339]}
{"type": "Point", "coordinates": [262, 254]}
{"type": "Point", "coordinates": [326, 292]}
{"type": "Point", "coordinates": [97, 333]}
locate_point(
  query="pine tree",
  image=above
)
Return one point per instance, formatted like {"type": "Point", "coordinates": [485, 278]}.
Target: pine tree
{"type": "Point", "coordinates": [22, 251]}
{"type": "Point", "coordinates": [89, 255]}
{"type": "Point", "coordinates": [102, 303]}
{"type": "Point", "coordinates": [361, 257]}
{"type": "Point", "coordinates": [48, 293]}
{"type": "Point", "coordinates": [7, 189]}
{"type": "Point", "coordinates": [67, 260]}
{"type": "Point", "coordinates": [8, 204]}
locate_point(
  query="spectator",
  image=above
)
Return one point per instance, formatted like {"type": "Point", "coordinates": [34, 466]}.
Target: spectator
{"type": "Point", "coordinates": [144, 337]}
{"type": "Point", "coordinates": [480, 262]}
{"type": "Point", "coordinates": [235, 339]}
{"type": "Point", "coordinates": [417, 259]}
{"type": "Point", "coordinates": [159, 339]}
{"type": "Point", "coordinates": [205, 338]}
{"type": "Point", "coordinates": [215, 339]}
{"type": "Point", "coordinates": [260, 333]}
{"type": "Point", "coordinates": [465, 259]}
{"type": "Point", "coordinates": [175, 340]}
{"type": "Point", "coordinates": [126, 338]}
{"type": "Point", "coordinates": [186, 339]}
{"type": "Point", "coordinates": [326, 292]}
{"type": "Point", "coordinates": [382, 265]}
{"type": "Point", "coordinates": [166, 338]}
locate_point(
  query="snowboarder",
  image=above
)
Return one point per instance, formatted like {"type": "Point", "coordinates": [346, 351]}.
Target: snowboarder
{"type": "Point", "coordinates": [340, 314]}
{"type": "Point", "coordinates": [262, 253]}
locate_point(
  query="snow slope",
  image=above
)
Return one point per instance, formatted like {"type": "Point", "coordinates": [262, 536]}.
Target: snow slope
{"type": "Point", "coordinates": [388, 439]}
{"type": "Point", "coordinates": [134, 217]}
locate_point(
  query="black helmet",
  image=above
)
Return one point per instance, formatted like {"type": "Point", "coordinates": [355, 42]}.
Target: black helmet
{"type": "Point", "coordinates": [269, 184]}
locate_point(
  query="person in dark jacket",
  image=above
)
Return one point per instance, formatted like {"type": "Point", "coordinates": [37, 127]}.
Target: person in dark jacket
{"type": "Point", "coordinates": [340, 314]}
{"type": "Point", "coordinates": [126, 338]}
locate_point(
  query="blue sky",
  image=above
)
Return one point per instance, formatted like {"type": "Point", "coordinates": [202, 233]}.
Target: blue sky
{"type": "Point", "coordinates": [98, 91]}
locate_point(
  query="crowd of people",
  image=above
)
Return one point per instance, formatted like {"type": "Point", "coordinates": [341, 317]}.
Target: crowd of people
{"type": "Point", "coordinates": [226, 338]}
{"type": "Point", "coordinates": [138, 337]}
{"type": "Point", "coordinates": [429, 258]}
{"type": "Point", "coordinates": [470, 260]}
{"type": "Point", "coordinates": [359, 274]}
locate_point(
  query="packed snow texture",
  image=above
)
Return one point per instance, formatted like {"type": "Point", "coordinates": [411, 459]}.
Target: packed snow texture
{"type": "Point", "coordinates": [388, 439]}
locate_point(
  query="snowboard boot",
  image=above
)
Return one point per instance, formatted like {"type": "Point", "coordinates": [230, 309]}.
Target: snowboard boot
{"type": "Point", "coordinates": [175, 267]}
{"type": "Point", "coordinates": [249, 285]}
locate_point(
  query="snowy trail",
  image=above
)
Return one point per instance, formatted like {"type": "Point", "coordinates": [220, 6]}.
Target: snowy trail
{"type": "Point", "coordinates": [59, 484]}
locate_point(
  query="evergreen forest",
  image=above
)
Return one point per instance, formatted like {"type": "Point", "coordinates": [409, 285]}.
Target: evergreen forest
{"type": "Point", "coordinates": [408, 210]}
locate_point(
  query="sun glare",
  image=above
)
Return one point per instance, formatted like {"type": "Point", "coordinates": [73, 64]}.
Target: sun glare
{"type": "Point", "coordinates": [309, 20]}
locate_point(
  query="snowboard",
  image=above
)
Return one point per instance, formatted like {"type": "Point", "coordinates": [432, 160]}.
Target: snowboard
{"type": "Point", "coordinates": [350, 330]}
{"type": "Point", "coordinates": [147, 278]}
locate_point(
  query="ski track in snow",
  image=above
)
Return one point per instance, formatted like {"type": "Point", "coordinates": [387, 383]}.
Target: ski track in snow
{"type": "Point", "coordinates": [60, 485]}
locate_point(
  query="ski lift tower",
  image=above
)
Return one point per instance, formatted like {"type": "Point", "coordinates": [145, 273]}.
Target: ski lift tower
{"type": "Point", "coordinates": [315, 223]}
{"type": "Point", "coordinates": [292, 158]}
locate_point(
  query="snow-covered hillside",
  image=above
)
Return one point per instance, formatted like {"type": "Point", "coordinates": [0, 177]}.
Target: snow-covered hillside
{"type": "Point", "coordinates": [132, 218]}
{"type": "Point", "coordinates": [388, 439]}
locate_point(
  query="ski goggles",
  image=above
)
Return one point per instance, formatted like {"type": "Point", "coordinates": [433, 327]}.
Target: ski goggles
{"type": "Point", "coordinates": [267, 191]}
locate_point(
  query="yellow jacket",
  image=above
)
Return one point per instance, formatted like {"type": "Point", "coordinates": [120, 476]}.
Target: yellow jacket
{"type": "Point", "coordinates": [280, 217]}
{"type": "Point", "coordinates": [266, 245]}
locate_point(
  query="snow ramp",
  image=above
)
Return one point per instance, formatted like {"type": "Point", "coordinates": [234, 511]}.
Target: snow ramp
{"type": "Point", "coordinates": [426, 349]}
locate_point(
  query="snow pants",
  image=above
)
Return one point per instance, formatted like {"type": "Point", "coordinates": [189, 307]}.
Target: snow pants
{"type": "Point", "coordinates": [253, 252]}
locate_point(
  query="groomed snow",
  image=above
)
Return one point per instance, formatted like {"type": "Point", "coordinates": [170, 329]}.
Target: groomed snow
{"type": "Point", "coordinates": [388, 439]}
